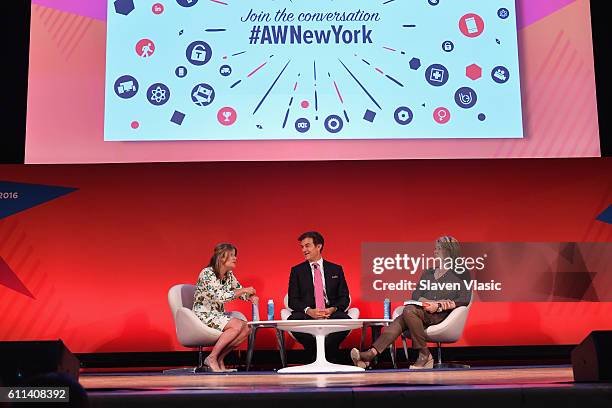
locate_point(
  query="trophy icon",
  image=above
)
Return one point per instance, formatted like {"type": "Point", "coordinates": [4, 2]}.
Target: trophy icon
{"type": "Point", "coordinates": [227, 116]}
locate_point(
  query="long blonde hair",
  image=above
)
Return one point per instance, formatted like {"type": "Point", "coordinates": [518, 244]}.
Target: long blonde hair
{"type": "Point", "coordinates": [220, 255]}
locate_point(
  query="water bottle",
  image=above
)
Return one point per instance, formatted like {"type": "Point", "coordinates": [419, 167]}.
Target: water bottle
{"type": "Point", "coordinates": [270, 309]}
{"type": "Point", "coordinates": [387, 309]}
{"type": "Point", "coordinates": [255, 312]}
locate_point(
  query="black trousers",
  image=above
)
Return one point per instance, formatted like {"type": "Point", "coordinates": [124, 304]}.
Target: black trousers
{"type": "Point", "coordinates": [332, 341]}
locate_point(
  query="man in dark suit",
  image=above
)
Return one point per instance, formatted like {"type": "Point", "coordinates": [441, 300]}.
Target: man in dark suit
{"type": "Point", "coordinates": [318, 290]}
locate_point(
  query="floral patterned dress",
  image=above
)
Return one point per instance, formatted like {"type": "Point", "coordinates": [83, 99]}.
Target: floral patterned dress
{"type": "Point", "coordinates": [210, 295]}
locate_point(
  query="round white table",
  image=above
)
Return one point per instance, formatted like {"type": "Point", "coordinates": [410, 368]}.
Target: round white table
{"type": "Point", "coordinates": [320, 329]}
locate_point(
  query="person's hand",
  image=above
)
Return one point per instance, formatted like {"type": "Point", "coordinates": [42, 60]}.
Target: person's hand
{"type": "Point", "coordinates": [447, 304]}
{"type": "Point", "coordinates": [430, 307]}
{"type": "Point", "coordinates": [329, 311]}
{"type": "Point", "coordinates": [316, 313]}
{"type": "Point", "coordinates": [254, 300]}
{"type": "Point", "coordinates": [250, 291]}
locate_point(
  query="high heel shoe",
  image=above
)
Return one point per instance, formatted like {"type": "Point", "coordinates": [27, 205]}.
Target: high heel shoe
{"type": "Point", "coordinates": [356, 357]}
{"type": "Point", "coordinates": [364, 359]}
{"type": "Point", "coordinates": [421, 363]}
{"type": "Point", "coordinates": [209, 368]}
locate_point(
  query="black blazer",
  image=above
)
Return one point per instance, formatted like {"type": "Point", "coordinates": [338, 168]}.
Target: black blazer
{"type": "Point", "coordinates": [301, 287]}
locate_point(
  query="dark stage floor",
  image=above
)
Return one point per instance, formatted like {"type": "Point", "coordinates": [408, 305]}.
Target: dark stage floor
{"type": "Point", "coordinates": [529, 386]}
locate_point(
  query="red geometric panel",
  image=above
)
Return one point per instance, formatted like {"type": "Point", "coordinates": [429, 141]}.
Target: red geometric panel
{"type": "Point", "coordinates": [9, 279]}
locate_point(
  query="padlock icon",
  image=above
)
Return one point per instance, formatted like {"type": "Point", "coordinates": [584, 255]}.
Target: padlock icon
{"type": "Point", "coordinates": [199, 53]}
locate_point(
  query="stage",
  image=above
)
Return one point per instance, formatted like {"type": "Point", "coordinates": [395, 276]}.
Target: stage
{"type": "Point", "coordinates": [518, 386]}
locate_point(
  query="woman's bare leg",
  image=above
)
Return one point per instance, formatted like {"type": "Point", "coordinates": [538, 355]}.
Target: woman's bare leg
{"type": "Point", "coordinates": [231, 330]}
{"type": "Point", "coordinates": [244, 333]}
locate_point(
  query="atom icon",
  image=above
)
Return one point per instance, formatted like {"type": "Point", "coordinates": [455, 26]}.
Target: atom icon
{"type": "Point", "coordinates": [158, 94]}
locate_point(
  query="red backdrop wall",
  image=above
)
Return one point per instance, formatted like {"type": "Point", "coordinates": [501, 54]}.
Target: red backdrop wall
{"type": "Point", "coordinates": [100, 261]}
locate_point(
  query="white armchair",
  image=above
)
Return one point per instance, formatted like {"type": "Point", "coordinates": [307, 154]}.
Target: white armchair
{"type": "Point", "coordinates": [190, 331]}
{"type": "Point", "coordinates": [448, 331]}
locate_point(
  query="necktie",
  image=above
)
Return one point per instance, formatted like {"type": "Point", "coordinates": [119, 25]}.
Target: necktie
{"type": "Point", "coordinates": [318, 287]}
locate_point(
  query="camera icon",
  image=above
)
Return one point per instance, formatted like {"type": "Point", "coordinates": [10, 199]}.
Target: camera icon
{"type": "Point", "coordinates": [500, 74]}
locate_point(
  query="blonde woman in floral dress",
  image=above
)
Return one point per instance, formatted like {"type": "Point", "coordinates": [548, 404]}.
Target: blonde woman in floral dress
{"type": "Point", "coordinates": [218, 285]}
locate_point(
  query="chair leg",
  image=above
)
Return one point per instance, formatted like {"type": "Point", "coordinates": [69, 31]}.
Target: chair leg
{"type": "Point", "coordinates": [440, 364]}
{"type": "Point", "coordinates": [200, 368]}
{"type": "Point", "coordinates": [405, 344]}
{"type": "Point", "coordinates": [393, 355]}
{"type": "Point", "coordinates": [190, 370]}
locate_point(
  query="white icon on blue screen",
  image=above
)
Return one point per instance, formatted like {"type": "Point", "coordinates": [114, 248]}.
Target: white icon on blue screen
{"type": "Point", "coordinates": [126, 87]}
{"type": "Point", "coordinates": [158, 94]}
{"type": "Point", "coordinates": [436, 75]}
{"type": "Point", "coordinates": [199, 53]}
{"type": "Point", "coordinates": [203, 95]}
{"type": "Point", "coordinates": [500, 74]}
{"type": "Point", "coordinates": [181, 72]}
{"type": "Point", "coordinates": [466, 97]}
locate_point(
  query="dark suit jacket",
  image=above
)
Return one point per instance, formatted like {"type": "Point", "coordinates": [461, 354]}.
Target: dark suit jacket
{"type": "Point", "coordinates": [301, 287]}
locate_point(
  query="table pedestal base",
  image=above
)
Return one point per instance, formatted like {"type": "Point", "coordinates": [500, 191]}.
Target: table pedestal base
{"type": "Point", "coordinates": [321, 365]}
